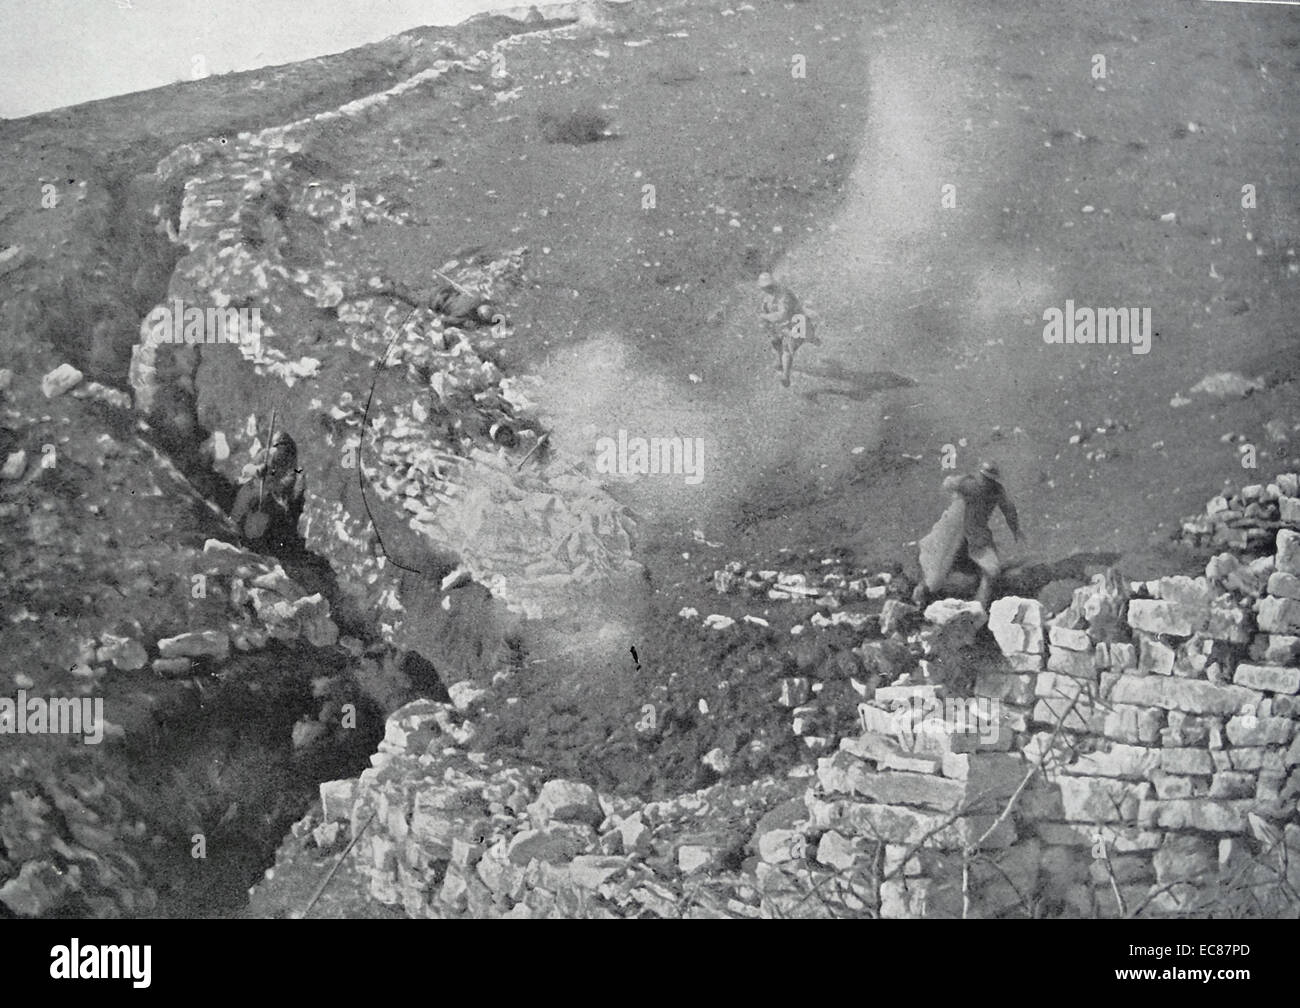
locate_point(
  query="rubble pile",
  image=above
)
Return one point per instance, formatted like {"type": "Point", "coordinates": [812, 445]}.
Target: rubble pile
{"type": "Point", "coordinates": [496, 516]}
{"type": "Point", "coordinates": [1248, 520]}
{"type": "Point", "coordinates": [1134, 754]}
{"type": "Point", "coordinates": [1146, 732]}
{"type": "Point", "coordinates": [264, 604]}
{"type": "Point", "coordinates": [846, 595]}
{"type": "Point", "coordinates": [868, 638]}
{"type": "Point", "coordinates": [445, 833]}
{"type": "Point", "coordinates": [833, 588]}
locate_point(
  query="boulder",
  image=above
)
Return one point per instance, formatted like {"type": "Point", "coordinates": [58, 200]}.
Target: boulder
{"type": "Point", "coordinates": [557, 843]}
{"type": "Point", "coordinates": [837, 851]}
{"type": "Point", "coordinates": [337, 798]}
{"type": "Point", "coordinates": [199, 644]}
{"type": "Point", "coordinates": [1288, 551]}
{"type": "Point", "coordinates": [1156, 616]}
{"type": "Point", "coordinates": [1269, 678]}
{"type": "Point", "coordinates": [947, 612]}
{"type": "Point", "coordinates": [1278, 615]}
{"type": "Point", "coordinates": [780, 845]}
{"type": "Point", "coordinates": [60, 380]}
{"type": "Point", "coordinates": [1173, 693]}
{"type": "Point", "coordinates": [122, 652]}
{"type": "Point", "coordinates": [465, 694]}
{"type": "Point", "coordinates": [15, 465]}
{"type": "Point", "coordinates": [566, 801]}
{"type": "Point", "coordinates": [895, 615]}
{"type": "Point", "coordinates": [1284, 584]}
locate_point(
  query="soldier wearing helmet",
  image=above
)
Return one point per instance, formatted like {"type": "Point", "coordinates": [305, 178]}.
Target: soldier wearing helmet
{"type": "Point", "coordinates": [982, 493]}
{"type": "Point", "coordinates": [267, 506]}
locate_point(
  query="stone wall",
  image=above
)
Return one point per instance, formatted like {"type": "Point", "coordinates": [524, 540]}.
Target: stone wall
{"type": "Point", "coordinates": [1132, 755]}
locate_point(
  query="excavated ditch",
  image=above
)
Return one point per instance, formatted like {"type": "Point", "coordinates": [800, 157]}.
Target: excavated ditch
{"type": "Point", "coordinates": [214, 756]}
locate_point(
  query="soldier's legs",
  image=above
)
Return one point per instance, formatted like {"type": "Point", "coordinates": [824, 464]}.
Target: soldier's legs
{"type": "Point", "coordinates": [788, 347]}
{"type": "Point", "coordinates": [986, 559]}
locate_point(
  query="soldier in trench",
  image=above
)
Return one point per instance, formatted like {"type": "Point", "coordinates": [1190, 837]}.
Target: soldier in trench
{"type": "Point", "coordinates": [267, 506]}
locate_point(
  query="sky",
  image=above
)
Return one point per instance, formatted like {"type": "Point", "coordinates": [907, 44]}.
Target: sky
{"type": "Point", "coordinates": [63, 52]}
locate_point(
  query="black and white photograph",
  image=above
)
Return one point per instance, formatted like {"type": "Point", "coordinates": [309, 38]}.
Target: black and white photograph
{"type": "Point", "coordinates": [652, 459]}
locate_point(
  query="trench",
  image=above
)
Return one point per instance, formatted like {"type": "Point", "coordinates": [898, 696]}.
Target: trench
{"type": "Point", "coordinates": [218, 774]}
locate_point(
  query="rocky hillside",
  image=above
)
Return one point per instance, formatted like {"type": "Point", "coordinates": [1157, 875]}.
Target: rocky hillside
{"type": "Point", "coordinates": [300, 376]}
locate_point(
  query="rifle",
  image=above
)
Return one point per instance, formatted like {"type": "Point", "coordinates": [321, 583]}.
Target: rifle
{"type": "Point", "coordinates": [266, 464]}
{"type": "Point", "coordinates": [460, 287]}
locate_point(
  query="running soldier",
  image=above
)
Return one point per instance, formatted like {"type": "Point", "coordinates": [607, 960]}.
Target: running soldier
{"type": "Point", "coordinates": [982, 494]}
{"type": "Point", "coordinates": [787, 325]}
